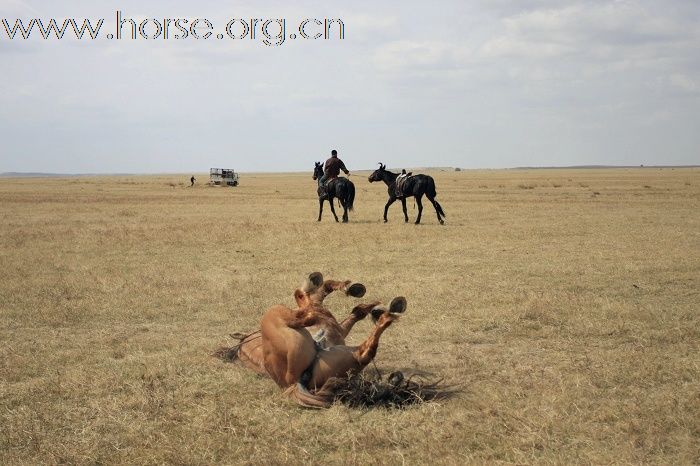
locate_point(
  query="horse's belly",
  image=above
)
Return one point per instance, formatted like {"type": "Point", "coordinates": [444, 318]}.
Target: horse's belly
{"type": "Point", "coordinates": [330, 335]}
{"type": "Point", "coordinates": [288, 353]}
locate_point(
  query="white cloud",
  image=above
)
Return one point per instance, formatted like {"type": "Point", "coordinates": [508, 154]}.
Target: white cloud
{"type": "Point", "coordinates": [504, 47]}
{"type": "Point", "coordinates": [371, 26]}
{"type": "Point", "coordinates": [607, 31]}
{"type": "Point", "coordinates": [684, 82]}
{"type": "Point", "coordinates": [406, 54]}
{"type": "Point", "coordinates": [16, 7]}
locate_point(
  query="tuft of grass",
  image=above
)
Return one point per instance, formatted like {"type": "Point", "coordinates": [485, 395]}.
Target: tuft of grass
{"type": "Point", "coordinates": [398, 391]}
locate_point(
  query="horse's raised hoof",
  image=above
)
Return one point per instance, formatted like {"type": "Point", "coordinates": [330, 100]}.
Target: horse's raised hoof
{"type": "Point", "coordinates": [316, 279]}
{"type": "Point", "coordinates": [398, 305]}
{"type": "Point", "coordinates": [356, 290]}
{"type": "Point", "coordinates": [377, 311]}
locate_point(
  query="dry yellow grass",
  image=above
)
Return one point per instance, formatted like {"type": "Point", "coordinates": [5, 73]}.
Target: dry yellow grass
{"type": "Point", "coordinates": [564, 301]}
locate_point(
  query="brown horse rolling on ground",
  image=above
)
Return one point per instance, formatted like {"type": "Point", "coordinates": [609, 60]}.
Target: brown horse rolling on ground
{"type": "Point", "coordinates": [303, 350]}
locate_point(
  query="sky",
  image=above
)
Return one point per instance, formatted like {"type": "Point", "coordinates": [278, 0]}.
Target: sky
{"type": "Point", "coordinates": [469, 84]}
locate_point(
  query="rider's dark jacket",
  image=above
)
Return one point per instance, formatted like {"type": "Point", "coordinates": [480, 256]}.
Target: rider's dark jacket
{"type": "Point", "coordinates": [333, 166]}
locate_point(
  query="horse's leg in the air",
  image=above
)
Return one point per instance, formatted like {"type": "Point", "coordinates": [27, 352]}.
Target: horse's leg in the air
{"type": "Point", "coordinates": [368, 349]}
{"type": "Point", "coordinates": [356, 290]}
{"type": "Point", "coordinates": [358, 313]}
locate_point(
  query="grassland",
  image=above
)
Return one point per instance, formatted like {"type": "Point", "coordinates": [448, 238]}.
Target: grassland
{"type": "Point", "coordinates": [565, 303]}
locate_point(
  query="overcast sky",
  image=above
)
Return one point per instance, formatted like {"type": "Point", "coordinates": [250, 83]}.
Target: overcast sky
{"type": "Point", "coordinates": [472, 84]}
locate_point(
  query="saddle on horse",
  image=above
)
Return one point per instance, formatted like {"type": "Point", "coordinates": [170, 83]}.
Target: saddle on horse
{"type": "Point", "coordinates": [324, 188]}
{"type": "Point", "coordinates": [401, 182]}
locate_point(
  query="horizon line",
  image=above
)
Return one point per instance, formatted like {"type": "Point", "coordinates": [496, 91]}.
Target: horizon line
{"type": "Point", "coordinates": [28, 174]}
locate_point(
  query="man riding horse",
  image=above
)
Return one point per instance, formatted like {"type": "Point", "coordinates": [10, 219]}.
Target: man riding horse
{"type": "Point", "coordinates": [331, 170]}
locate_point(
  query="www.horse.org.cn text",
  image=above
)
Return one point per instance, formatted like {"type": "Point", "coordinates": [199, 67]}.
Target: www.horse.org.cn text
{"type": "Point", "coordinates": [271, 31]}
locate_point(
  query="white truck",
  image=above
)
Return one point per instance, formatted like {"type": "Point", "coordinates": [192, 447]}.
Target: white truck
{"type": "Point", "coordinates": [223, 177]}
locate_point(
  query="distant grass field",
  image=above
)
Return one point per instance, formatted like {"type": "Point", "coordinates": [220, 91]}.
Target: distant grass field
{"type": "Point", "coordinates": [566, 303]}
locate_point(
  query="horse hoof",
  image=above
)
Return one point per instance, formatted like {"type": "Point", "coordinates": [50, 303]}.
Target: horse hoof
{"type": "Point", "coordinates": [377, 312]}
{"type": "Point", "coordinates": [316, 279]}
{"type": "Point", "coordinates": [356, 290]}
{"type": "Point", "coordinates": [442, 222]}
{"type": "Point", "coordinates": [398, 305]}
{"type": "Point", "coordinates": [385, 221]}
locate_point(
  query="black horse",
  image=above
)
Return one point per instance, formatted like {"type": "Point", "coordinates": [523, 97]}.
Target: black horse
{"type": "Point", "coordinates": [414, 186]}
{"type": "Point", "coordinates": [341, 188]}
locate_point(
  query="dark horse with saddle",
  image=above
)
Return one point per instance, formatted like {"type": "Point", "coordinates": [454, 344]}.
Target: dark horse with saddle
{"type": "Point", "coordinates": [341, 188]}
{"type": "Point", "coordinates": [402, 186]}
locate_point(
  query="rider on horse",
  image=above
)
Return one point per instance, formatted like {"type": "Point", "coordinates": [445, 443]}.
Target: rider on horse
{"type": "Point", "coordinates": [331, 170]}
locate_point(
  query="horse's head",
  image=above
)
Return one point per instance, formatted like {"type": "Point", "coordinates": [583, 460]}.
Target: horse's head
{"type": "Point", "coordinates": [378, 175]}
{"type": "Point", "coordinates": [318, 170]}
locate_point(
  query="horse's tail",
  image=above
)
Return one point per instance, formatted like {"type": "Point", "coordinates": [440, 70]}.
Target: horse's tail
{"type": "Point", "coordinates": [302, 396]}
{"type": "Point", "coordinates": [350, 196]}
{"type": "Point", "coordinates": [439, 209]}
{"type": "Point", "coordinates": [432, 193]}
